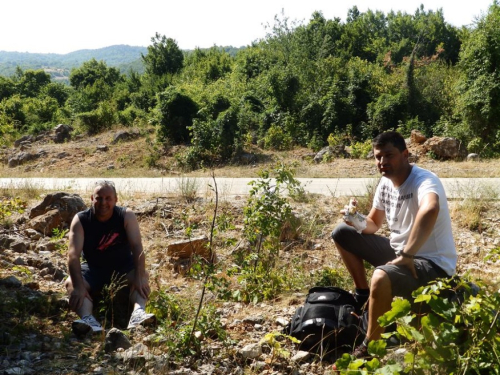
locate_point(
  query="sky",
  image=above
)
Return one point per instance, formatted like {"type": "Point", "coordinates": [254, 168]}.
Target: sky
{"type": "Point", "coordinates": [63, 26]}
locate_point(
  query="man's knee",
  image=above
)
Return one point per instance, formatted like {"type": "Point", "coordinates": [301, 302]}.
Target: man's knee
{"type": "Point", "coordinates": [68, 284]}
{"type": "Point", "coordinates": [341, 231]}
{"type": "Point", "coordinates": [380, 283]}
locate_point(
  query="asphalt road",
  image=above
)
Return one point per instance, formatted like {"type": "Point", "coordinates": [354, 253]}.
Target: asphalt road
{"type": "Point", "coordinates": [455, 187]}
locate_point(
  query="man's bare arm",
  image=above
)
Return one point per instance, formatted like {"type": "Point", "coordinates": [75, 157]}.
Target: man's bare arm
{"type": "Point", "coordinates": [78, 292]}
{"type": "Point", "coordinates": [374, 221]}
{"type": "Point", "coordinates": [141, 283]}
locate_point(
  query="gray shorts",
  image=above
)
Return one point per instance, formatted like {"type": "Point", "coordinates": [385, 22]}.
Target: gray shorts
{"type": "Point", "coordinates": [377, 251]}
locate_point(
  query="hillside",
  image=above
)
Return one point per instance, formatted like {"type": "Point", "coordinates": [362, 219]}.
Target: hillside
{"type": "Point", "coordinates": [123, 57]}
{"type": "Point", "coordinates": [35, 323]}
{"type": "Point", "coordinates": [58, 66]}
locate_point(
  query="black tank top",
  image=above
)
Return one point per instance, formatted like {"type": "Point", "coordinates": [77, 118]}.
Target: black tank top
{"type": "Point", "coordinates": [105, 244]}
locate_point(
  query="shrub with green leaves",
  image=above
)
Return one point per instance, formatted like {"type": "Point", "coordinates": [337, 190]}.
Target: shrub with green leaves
{"type": "Point", "coordinates": [9, 206]}
{"type": "Point", "coordinates": [277, 139]}
{"type": "Point", "coordinates": [175, 321]}
{"type": "Point", "coordinates": [360, 150]}
{"type": "Point", "coordinates": [444, 336]}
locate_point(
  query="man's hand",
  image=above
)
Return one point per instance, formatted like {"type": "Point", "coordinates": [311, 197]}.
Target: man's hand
{"type": "Point", "coordinates": [141, 284]}
{"type": "Point", "coordinates": [77, 296]}
{"type": "Point", "coordinates": [407, 262]}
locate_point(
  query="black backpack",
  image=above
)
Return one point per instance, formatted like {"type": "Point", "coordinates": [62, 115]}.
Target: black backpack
{"type": "Point", "coordinates": [328, 323]}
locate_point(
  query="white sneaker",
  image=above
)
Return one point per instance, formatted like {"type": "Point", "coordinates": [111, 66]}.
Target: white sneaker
{"type": "Point", "coordinates": [85, 325]}
{"type": "Point", "coordinates": [140, 317]}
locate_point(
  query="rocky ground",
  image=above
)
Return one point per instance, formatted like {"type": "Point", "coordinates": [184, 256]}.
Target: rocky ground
{"type": "Point", "coordinates": [35, 323]}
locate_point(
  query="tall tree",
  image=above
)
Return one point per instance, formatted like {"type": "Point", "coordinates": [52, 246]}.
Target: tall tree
{"type": "Point", "coordinates": [479, 89]}
{"type": "Point", "coordinates": [92, 71]}
{"type": "Point", "coordinates": [164, 56]}
{"type": "Point", "coordinates": [31, 82]}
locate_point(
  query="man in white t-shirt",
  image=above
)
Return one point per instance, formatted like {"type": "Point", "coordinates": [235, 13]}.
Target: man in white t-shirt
{"type": "Point", "coordinates": [421, 246]}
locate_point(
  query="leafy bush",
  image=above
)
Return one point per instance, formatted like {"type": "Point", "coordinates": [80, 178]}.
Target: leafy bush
{"type": "Point", "coordinates": [335, 140]}
{"type": "Point", "coordinates": [277, 139]}
{"type": "Point", "coordinates": [175, 321]}
{"type": "Point", "coordinates": [8, 206]}
{"type": "Point", "coordinates": [360, 150]}
{"type": "Point", "coordinates": [316, 143]}
{"type": "Point", "coordinates": [450, 337]}
{"type": "Point", "coordinates": [95, 121]}
{"type": "Point", "coordinates": [130, 114]}
{"type": "Point", "coordinates": [175, 112]}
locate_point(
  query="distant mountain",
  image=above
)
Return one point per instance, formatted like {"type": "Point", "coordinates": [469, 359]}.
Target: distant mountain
{"type": "Point", "coordinates": [123, 57]}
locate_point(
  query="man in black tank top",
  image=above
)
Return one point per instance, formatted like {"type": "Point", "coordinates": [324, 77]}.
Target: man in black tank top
{"type": "Point", "coordinates": [109, 239]}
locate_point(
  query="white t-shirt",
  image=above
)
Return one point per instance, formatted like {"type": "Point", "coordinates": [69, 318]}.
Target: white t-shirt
{"type": "Point", "coordinates": [401, 205]}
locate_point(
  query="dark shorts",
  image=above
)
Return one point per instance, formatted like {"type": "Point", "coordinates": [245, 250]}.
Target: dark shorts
{"type": "Point", "coordinates": [99, 277]}
{"type": "Point", "coordinates": [377, 251]}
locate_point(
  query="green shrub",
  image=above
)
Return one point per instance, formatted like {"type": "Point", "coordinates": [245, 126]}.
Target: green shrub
{"type": "Point", "coordinates": [444, 336]}
{"type": "Point", "coordinates": [175, 112]}
{"type": "Point", "coordinates": [95, 121]}
{"type": "Point", "coordinates": [277, 139]}
{"type": "Point", "coordinates": [360, 150]}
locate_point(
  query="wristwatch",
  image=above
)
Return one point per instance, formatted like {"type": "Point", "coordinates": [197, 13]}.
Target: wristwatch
{"type": "Point", "coordinates": [401, 253]}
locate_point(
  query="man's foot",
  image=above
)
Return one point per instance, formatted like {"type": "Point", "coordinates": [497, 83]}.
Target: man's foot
{"type": "Point", "coordinates": [361, 352]}
{"type": "Point", "coordinates": [140, 317]}
{"type": "Point", "coordinates": [85, 325]}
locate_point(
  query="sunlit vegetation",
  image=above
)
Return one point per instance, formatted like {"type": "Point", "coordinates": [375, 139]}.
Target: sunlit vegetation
{"type": "Point", "coordinates": [301, 85]}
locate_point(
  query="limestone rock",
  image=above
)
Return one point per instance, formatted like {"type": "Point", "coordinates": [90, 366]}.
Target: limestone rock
{"type": "Point", "coordinates": [472, 157]}
{"type": "Point", "coordinates": [251, 351]}
{"type": "Point", "coordinates": [56, 211]}
{"type": "Point", "coordinates": [123, 136]}
{"type": "Point", "coordinates": [187, 248]}
{"type": "Point", "coordinates": [62, 133]}
{"type": "Point", "coordinates": [47, 222]}
{"type": "Point", "coordinates": [67, 205]}
{"type": "Point", "coordinates": [116, 339]}
{"type": "Point", "coordinates": [417, 137]}
{"type": "Point", "coordinates": [445, 147]}
{"type": "Point", "coordinates": [11, 282]}
{"type": "Point", "coordinates": [328, 151]}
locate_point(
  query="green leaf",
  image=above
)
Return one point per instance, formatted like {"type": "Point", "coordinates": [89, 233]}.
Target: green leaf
{"type": "Point", "coordinates": [343, 361]}
{"type": "Point", "coordinates": [427, 328]}
{"type": "Point", "coordinates": [400, 308]}
{"type": "Point", "coordinates": [372, 365]}
{"type": "Point", "coordinates": [417, 335]}
{"type": "Point", "coordinates": [435, 354]}
{"type": "Point", "coordinates": [423, 298]}
{"type": "Point", "coordinates": [390, 369]}
{"type": "Point", "coordinates": [356, 364]}
{"type": "Point", "coordinates": [377, 348]}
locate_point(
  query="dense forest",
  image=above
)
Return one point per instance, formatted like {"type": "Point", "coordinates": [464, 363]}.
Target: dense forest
{"type": "Point", "coordinates": [309, 84]}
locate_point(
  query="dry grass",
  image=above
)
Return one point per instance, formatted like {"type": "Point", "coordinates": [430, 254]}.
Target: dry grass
{"type": "Point", "coordinates": [477, 199]}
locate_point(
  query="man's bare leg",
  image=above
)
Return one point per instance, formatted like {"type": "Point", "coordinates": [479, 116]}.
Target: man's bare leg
{"type": "Point", "coordinates": [139, 315]}
{"type": "Point", "coordinates": [87, 306]}
{"type": "Point", "coordinates": [380, 303]}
